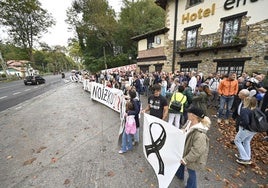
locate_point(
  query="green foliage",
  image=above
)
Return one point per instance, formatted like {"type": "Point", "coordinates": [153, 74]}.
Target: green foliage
{"type": "Point", "coordinates": [103, 37]}
{"type": "Point", "coordinates": [11, 52]}
{"type": "Point", "coordinates": [3, 75]}
{"type": "Point", "coordinates": [25, 21]}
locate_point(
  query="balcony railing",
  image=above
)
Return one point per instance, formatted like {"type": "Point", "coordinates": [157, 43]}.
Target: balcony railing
{"type": "Point", "coordinates": [213, 43]}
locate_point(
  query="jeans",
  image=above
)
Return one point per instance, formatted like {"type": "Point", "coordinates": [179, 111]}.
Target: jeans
{"type": "Point", "coordinates": [228, 102]}
{"type": "Point", "coordinates": [242, 142]}
{"type": "Point", "coordinates": [137, 135]}
{"type": "Point", "coordinates": [191, 181]}
{"type": "Point", "coordinates": [146, 90]}
{"type": "Point", "coordinates": [126, 142]}
{"type": "Point", "coordinates": [176, 117]}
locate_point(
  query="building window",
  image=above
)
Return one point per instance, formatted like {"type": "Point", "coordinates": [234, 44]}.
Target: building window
{"type": "Point", "coordinates": [225, 68]}
{"type": "Point", "coordinates": [158, 67]}
{"type": "Point", "coordinates": [191, 36]}
{"type": "Point", "coordinates": [231, 27]}
{"type": "Point", "coordinates": [144, 68]}
{"type": "Point", "coordinates": [194, 2]}
{"type": "Point", "coordinates": [150, 41]}
{"type": "Point", "coordinates": [189, 66]}
{"type": "Point", "coordinates": [231, 30]}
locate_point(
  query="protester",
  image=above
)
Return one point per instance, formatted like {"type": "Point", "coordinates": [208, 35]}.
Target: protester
{"type": "Point", "coordinates": [228, 88]}
{"type": "Point", "coordinates": [146, 84]}
{"type": "Point", "coordinates": [193, 81]}
{"type": "Point", "coordinates": [127, 133]}
{"type": "Point", "coordinates": [175, 116]}
{"type": "Point", "coordinates": [196, 146]}
{"type": "Point", "coordinates": [137, 84]}
{"type": "Point", "coordinates": [136, 111]}
{"type": "Point", "coordinates": [164, 85]}
{"type": "Point", "coordinates": [213, 86]}
{"type": "Point", "coordinates": [189, 94]}
{"type": "Point", "coordinates": [200, 100]}
{"type": "Point", "coordinates": [264, 109]}
{"type": "Point", "coordinates": [244, 135]}
{"type": "Point", "coordinates": [237, 109]}
{"type": "Point", "coordinates": [157, 104]}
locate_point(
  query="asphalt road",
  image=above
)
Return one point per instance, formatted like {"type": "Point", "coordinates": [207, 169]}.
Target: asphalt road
{"type": "Point", "coordinates": [13, 93]}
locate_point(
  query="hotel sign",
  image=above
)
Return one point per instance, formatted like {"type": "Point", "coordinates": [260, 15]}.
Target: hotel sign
{"type": "Point", "coordinates": [203, 13]}
{"type": "Point", "coordinates": [230, 4]}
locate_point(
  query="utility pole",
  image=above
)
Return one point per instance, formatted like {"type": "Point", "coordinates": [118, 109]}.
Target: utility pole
{"type": "Point", "coordinates": [175, 37]}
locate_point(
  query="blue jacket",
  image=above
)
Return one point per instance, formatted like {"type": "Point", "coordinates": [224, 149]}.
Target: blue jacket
{"type": "Point", "coordinates": [245, 117]}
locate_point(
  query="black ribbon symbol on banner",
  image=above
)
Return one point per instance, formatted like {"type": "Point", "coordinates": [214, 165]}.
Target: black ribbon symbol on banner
{"type": "Point", "coordinates": [156, 146]}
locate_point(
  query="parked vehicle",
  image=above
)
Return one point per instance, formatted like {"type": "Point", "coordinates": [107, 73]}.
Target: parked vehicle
{"type": "Point", "coordinates": [34, 80]}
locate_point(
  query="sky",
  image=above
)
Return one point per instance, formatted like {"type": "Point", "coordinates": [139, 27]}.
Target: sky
{"type": "Point", "coordinates": [59, 34]}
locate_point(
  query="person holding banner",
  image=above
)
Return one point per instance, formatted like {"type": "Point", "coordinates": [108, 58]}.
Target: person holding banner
{"type": "Point", "coordinates": [132, 110]}
{"type": "Point", "coordinates": [157, 104]}
{"type": "Point", "coordinates": [196, 146]}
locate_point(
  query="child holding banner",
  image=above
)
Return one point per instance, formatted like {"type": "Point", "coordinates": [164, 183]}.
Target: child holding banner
{"type": "Point", "coordinates": [196, 146]}
{"type": "Point", "coordinates": [132, 122]}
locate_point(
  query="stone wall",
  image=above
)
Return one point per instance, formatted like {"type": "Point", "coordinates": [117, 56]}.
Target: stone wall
{"type": "Point", "coordinates": [255, 38]}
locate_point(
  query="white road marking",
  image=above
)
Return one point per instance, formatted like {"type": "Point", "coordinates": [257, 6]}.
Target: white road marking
{"type": "Point", "coordinates": [3, 97]}
{"type": "Point", "coordinates": [27, 89]}
{"type": "Point", "coordinates": [16, 93]}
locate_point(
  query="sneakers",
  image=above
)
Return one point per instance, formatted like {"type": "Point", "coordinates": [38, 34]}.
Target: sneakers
{"type": "Point", "coordinates": [121, 151]}
{"type": "Point", "coordinates": [219, 120]}
{"type": "Point", "coordinates": [245, 162]}
{"type": "Point", "coordinates": [237, 156]}
{"type": "Point", "coordinates": [134, 143]}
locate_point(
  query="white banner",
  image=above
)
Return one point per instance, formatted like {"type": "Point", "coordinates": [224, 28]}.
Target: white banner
{"type": "Point", "coordinates": [163, 146]}
{"type": "Point", "coordinates": [110, 97]}
{"type": "Point", "coordinates": [125, 68]}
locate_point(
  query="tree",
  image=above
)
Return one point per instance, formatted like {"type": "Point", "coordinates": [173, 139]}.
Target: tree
{"type": "Point", "coordinates": [11, 52]}
{"type": "Point", "coordinates": [25, 21]}
{"type": "Point", "coordinates": [99, 31]}
{"type": "Point", "coordinates": [75, 52]}
{"type": "Point", "coordinates": [137, 18]}
{"type": "Point", "coordinates": [94, 23]}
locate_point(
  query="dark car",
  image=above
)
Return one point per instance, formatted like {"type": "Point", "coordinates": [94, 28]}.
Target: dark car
{"type": "Point", "coordinates": [34, 80]}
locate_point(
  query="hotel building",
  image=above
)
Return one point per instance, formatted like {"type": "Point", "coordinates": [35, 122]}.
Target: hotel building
{"type": "Point", "coordinates": [208, 36]}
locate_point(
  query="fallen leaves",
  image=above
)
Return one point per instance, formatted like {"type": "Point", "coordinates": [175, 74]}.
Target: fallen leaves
{"type": "Point", "coordinates": [40, 149]}
{"type": "Point", "coordinates": [28, 162]}
{"type": "Point", "coordinates": [110, 174]}
{"type": "Point", "coordinates": [54, 159]}
{"type": "Point", "coordinates": [259, 150]}
{"type": "Point", "coordinates": [208, 169]}
{"type": "Point", "coordinates": [141, 170]}
{"type": "Point", "coordinates": [66, 182]}
{"type": "Point", "coordinates": [9, 157]}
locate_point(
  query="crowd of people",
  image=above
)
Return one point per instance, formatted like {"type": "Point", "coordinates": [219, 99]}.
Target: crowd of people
{"type": "Point", "coordinates": [231, 96]}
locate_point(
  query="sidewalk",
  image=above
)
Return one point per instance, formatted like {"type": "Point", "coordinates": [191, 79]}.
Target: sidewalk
{"type": "Point", "coordinates": [64, 139]}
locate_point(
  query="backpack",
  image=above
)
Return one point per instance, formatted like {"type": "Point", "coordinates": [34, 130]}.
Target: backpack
{"type": "Point", "coordinates": [259, 121]}
{"type": "Point", "coordinates": [176, 105]}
